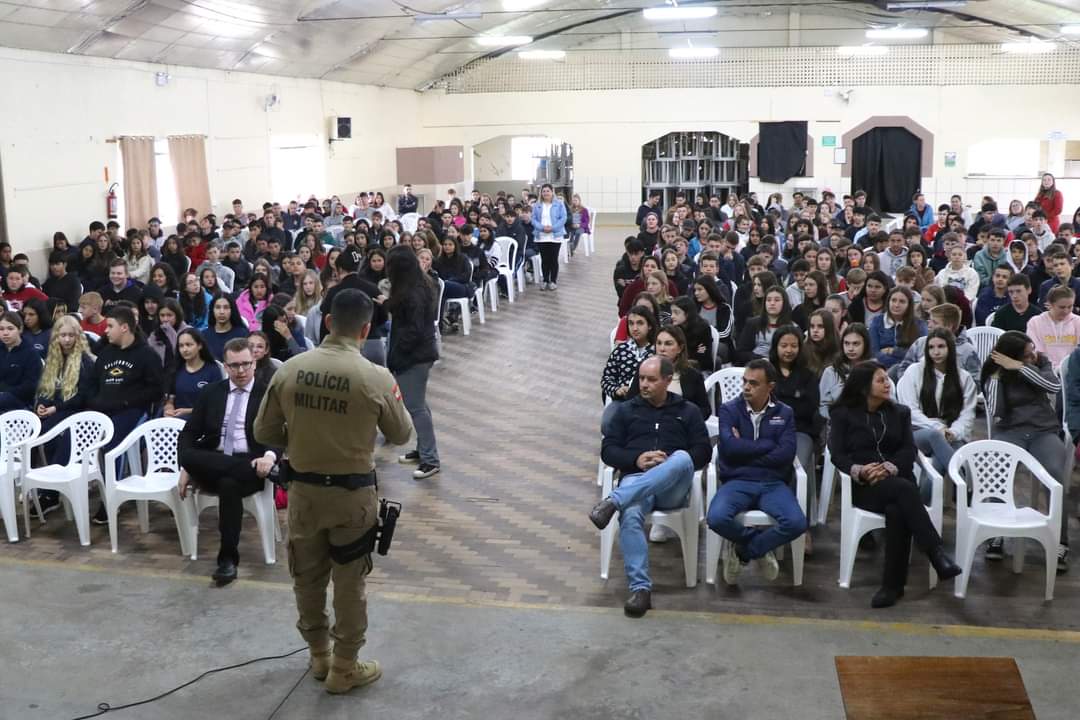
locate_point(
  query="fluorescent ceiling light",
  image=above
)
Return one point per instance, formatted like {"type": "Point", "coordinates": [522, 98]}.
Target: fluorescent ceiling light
{"type": "Point", "coordinates": [1032, 47]}
{"type": "Point", "coordinates": [542, 54]}
{"type": "Point", "coordinates": [514, 5]}
{"type": "Point", "coordinates": [862, 50]}
{"type": "Point", "coordinates": [1070, 29]}
{"type": "Point", "coordinates": [428, 17]}
{"type": "Point", "coordinates": [693, 53]}
{"type": "Point", "coordinates": [678, 13]}
{"type": "Point", "coordinates": [503, 40]}
{"type": "Point", "coordinates": [926, 5]}
{"type": "Point", "coordinates": [896, 33]}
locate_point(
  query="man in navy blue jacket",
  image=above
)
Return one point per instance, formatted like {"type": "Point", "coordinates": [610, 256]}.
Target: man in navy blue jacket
{"type": "Point", "coordinates": [756, 453]}
{"type": "Point", "coordinates": [655, 441]}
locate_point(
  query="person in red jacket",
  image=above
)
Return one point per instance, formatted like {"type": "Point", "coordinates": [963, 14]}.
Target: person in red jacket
{"type": "Point", "coordinates": [1051, 201]}
{"type": "Point", "coordinates": [18, 292]}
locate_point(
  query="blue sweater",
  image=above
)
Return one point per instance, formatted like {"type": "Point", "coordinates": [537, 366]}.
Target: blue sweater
{"type": "Point", "coordinates": [770, 457]}
{"type": "Point", "coordinates": [882, 337]}
{"type": "Point", "coordinates": [215, 341]}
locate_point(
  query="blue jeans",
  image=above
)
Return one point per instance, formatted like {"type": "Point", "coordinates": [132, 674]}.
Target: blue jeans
{"type": "Point", "coordinates": [931, 442]}
{"type": "Point", "coordinates": [663, 487]}
{"type": "Point", "coordinates": [773, 497]}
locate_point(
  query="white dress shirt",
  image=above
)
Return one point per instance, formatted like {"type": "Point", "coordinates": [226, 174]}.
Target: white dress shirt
{"type": "Point", "coordinates": [237, 431]}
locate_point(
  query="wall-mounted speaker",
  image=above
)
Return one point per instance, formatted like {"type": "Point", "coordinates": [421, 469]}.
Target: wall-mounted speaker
{"type": "Point", "coordinates": [340, 128]}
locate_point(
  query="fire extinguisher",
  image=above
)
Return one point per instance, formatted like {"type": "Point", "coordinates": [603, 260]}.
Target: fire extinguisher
{"type": "Point", "coordinates": [111, 202]}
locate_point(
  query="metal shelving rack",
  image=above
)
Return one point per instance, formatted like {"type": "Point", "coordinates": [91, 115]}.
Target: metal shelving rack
{"type": "Point", "coordinates": [695, 162]}
{"type": "Point", "coordinates": [557, 168]}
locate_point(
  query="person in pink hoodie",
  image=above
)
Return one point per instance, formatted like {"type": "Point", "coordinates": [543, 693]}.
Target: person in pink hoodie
{"type": "Point", "coordinates": [1056, 332]}
{"type": "Point", "coordinates": [253, 301]}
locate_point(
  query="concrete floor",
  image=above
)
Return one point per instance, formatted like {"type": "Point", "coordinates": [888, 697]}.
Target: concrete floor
{"type": "Point", "coordinates": [77, 636]}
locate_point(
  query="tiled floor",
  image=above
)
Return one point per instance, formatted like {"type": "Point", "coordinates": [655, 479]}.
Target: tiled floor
{"type": "Point", "coordinates": [516, 408]}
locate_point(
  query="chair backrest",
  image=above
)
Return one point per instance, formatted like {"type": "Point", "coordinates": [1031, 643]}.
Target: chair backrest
{"type": "Point", "coordinates": [730, 382]}
{"type": "Point", "coordinates": [1063, 373]}
{"type": "Point", "coordinates": [409, 221]}
{"type": "Point", "coordinates": [989, 320]}
{"type": "Point", "coordinates": [614, 332]}
{"type": "Point", "coordinates": [507, 251]}
{"type": "Point", "coordinates": [715, 341]}
{"type": "Point", "coordinates": [16, 428]}
{"type": "Point", "coordinates": [87, 429]}
{"type": "Point", "coordinates": [91, 337]}
{"type": "Point", "coordinates": [984, 338]}
{"type": "Point", "coordinates": [989, 469]}
{"type": "Point", "coordinates": [162, 437]}
{"type": "Point", "coordinates": [275, 363]}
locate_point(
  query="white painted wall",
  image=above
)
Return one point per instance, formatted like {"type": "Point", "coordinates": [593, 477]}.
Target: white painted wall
{"type": "Point", "coordinates": [59, 110]}
{"type": "Point", "coordinates": [608, 128]}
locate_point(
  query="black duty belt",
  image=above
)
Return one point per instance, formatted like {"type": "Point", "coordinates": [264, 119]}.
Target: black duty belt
{"type": "Point", "coordinates": [349, 482]}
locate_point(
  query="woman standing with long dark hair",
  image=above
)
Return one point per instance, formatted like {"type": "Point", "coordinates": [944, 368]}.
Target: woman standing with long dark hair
{"type": "Point", "coordinates": [412, 351]}
{"type": "Point", "coordinates": [870, 439]}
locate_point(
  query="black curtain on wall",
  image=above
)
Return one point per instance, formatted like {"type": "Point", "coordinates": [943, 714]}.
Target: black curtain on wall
{"type": "Point", "coordinates": [781, 151]}
{"type": "Point", "coordinates": [886, 162]}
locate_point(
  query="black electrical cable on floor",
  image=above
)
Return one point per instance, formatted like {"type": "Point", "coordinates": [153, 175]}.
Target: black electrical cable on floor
{"type": "Point", "coordinates": [106, 707]}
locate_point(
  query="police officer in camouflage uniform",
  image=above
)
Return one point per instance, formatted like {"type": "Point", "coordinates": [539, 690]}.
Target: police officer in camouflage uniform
{"type": "Point", "coordinates": [324, 406]}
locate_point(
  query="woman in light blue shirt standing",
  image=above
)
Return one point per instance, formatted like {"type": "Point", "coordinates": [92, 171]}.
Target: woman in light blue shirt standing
{"type": "Point", "coordinates": [549, 233]}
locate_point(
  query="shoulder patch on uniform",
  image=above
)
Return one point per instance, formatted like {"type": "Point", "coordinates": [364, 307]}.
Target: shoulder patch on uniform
{"type": "Point", "coordinates": [397, 392]}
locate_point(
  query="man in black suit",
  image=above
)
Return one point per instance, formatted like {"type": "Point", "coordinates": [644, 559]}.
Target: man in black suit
{"type": "Point", "coordinates": [219, 453]}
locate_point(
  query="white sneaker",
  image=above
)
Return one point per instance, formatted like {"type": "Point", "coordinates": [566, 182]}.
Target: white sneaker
{"type": "Point", "coordinates": [660, 533]}
{"type": "Point", "coordinates": [553, 286]}
{"type": "Point", "coordinates": [732, 564]}
{"type": "Point", "coordinates": [768, 566]}
{"type": "Point", "coordinates": [544, 287]}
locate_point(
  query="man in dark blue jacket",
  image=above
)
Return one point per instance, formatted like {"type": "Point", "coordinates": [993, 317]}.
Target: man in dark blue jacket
{"type": "Point", "coordinates": [756, 453]}
{"type": "Point", "coordinates": [655, 441]}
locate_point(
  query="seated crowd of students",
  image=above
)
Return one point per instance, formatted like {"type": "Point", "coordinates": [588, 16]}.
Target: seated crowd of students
{"type": "Point", "coordinates": [820, 290]}
{"type": "Point", "coordinates": [135, 324]}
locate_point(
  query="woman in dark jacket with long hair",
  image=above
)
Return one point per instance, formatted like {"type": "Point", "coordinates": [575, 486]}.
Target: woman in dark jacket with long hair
{"type": "Point", "coordinates": [412, 350]}
{"type": "Point", "coordinates": [684, 315]}
{"type": "Point", "coordinates": [870, 439]}
{"type": "Point", "coordinates": [687, 381]}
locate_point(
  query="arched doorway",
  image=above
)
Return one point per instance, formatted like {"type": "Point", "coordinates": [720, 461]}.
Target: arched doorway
{"type": "Point", "coordinates": [695, 162]}
{"type": "Point", "coordinates": [888, 157]}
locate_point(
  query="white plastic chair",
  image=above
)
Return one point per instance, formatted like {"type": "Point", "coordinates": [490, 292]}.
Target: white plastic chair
{"type": "Point", "coordinates": [856, 522]}
{"type": "Point", "coordinates": [684, 522]}
{"type": "Point", "coordinates": [537, 268]}
{"type": "Point", "coordinates": [1070, 463]}
{"type": "Point", "coordinates": [507, 257]}
{"type": "Point", "coordinates": [17, 428]}
{"type": "Point", "coordinates": [159, 481]}
{"type": "Point", "coordinates": [990, 467]}
{"type": "Point", "coordinates": [614, 332]}
{"type": "Point", "coordinates": [989, 320]}
{"type": "Point", "coordinates": [984, 338]}
{"type": "Point", "coordinates": [409, 221]}
{"type": "Point", "coordinates": [730, 382]}
{"type": "Point", "coordinates": [715, 343]}
{"type": "Point", "coordinates": [89, 432]}
{"type": "Point", "coordinates": [754, 518]}
{"type": "Point", "coordinates": [464, 303]}
{"type": "Point", "coordinates": [259, 505]}
{"type": "Point", "coordinates": [588, 240]}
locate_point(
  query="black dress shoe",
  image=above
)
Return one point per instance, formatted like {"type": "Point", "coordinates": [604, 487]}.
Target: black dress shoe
{"type": "Point", "coordinates": [225, 573]}
{"type": "Point", "coordinates": [944, 565]}
{"type": "Point", "coordinates": [886, 597]}
{"type": "Point", "coordinates": [602, 513]}
{"type": "Point", "coordinates": [639, 603]}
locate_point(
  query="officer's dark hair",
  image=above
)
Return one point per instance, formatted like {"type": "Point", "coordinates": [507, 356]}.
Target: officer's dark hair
{"type": "Point", "coordinates": [350, 311]}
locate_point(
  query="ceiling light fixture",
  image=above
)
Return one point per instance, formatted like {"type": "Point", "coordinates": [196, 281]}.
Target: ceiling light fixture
{"type": "Point", "coordinates": [927, 5]}
{"type": "Point", "coordinates": [1031, 47]}
{"type": "Point", "coordinates": [516, 5]}
{"type": "Point", "coordinates": [503, 40]}
{"type": "Point", "coordinates": [429, 17]}
{"type": "Point", "coordinates": [1070, 29]}
{"type": "Point", "coordinates": [542, 54]}
{"type": "Point", "coordinates": [678, 13]}
{"type": "Point", "coordinates": [862, 50]}
{"type": "Point", "coordinates": [693, 53]}
{"type": "Point", "coordinates": [896, 33]}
